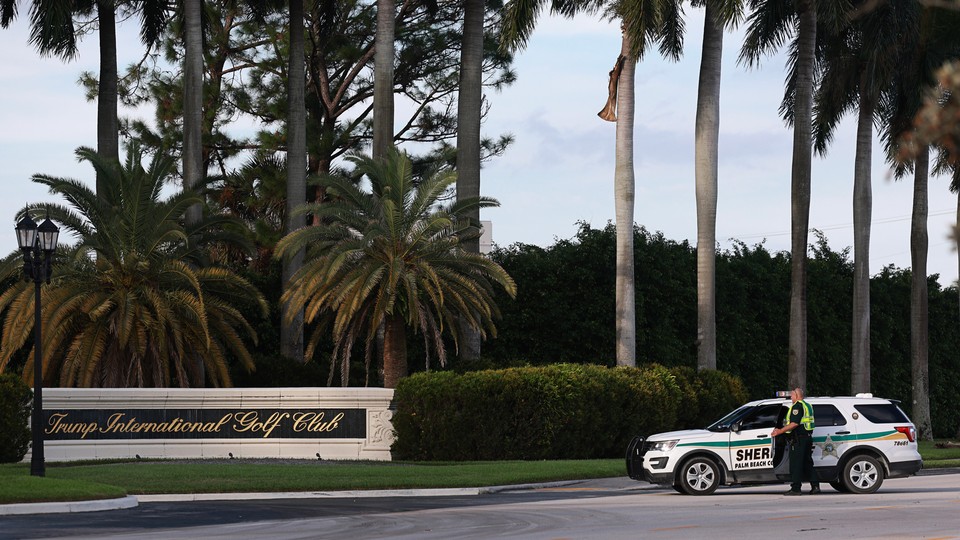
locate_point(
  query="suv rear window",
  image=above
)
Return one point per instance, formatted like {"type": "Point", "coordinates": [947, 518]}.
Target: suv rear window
{"type": "Point", "coordinates": [828, 415]}
{"type": "Point", "coordinates": [882, 414]}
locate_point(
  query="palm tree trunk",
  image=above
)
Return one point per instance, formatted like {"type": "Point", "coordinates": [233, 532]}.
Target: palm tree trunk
{"type": "Point", "coordinates": [469, 102]}
{"type": "Point", "coordinates": [800, 193]}
{"type": "Point", "coordinates": [383, 77]}
{"type": "Point", "coordinates": [706, 156]}
{"type": "Point", "coordinates": [394, 351]}
{"type": "Point", "coordinates": [192, 103]}
{"type": "Point", "coordinates": [291, 327]}
{"type": "Point", "coordinates": [919, 315]}
{"type": "Point", "coordinates": [862, 212]}
{"type": "Point", "coordinates": [624, 190]}
{"type": "Point", "coordinates": [108, 125]}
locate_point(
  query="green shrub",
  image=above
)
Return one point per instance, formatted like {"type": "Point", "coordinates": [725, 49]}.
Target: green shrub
{"type": "Point", "coordinates": [707, 395]}
{"type": "Point", "coordinates": [717, 393]}
{"type": "Point", "coordinates": [561, 411]}
{"type": "Point", "coordinates": [688, 410]}
{"type": "Point", "coordinates": [15, 399]}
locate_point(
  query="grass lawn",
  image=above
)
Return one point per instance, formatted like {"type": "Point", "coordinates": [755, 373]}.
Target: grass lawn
{"type": "Point", "coordinates": [101, 480]}
{"type": "Point", "coordinates": [143, 477]}
{"type": "Point", "coordinates": [934, 458]}
{"type": "Point", "coordinates": [17, 486]}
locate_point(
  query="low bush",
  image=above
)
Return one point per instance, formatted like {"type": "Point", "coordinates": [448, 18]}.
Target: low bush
{"type": "Point", "coordinates": [561, 411]}
{"type": "Point", "coordinates": [15, 400]}
{"type": "Point", "coordinates": [707, 395]}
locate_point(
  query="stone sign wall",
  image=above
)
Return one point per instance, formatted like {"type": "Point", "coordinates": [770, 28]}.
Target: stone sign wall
{"type": "Point", "coordinates": [303, 423]}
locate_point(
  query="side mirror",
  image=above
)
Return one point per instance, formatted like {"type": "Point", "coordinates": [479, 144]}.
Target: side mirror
{"type": "Point", "coordinates": [735, 427]}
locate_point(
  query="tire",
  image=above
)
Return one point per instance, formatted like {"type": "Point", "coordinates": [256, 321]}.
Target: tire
{"type": "Point", "coordinates": [679, 489]}
{"type": "Point", "coordinates": [699, 476]}
{"type": "Point", "coordinates": [862, 474]}
{"type": "Point", "coordinates": [838, 485]}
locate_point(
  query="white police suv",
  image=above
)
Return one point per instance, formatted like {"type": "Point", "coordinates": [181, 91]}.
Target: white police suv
{"type": "Point", "coordinates": [857, 443]}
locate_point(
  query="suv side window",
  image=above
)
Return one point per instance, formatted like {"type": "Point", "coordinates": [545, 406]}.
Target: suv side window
{"type": "Point", "coordinates": [886, 413]}
{"type": "Point", "coordinates": [828, 415]}
{"type": "Point", "coordinates": [764, 417]}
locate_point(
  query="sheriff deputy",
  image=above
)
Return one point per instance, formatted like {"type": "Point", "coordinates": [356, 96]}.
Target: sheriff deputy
{"type": "Point", "coordinates": [798, 427]}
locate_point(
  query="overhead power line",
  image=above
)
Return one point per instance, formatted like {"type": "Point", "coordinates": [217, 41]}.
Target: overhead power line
{"type": "Point", "coordinates": [840, 226]}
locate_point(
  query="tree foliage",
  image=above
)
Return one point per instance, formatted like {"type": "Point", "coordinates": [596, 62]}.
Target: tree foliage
{"type": "Point", "coordinates": [129, 304]}
{"type": "Point", "coordinates": [15, 399]}
{"type": "Point", "coordinates": [564, 313]}
{"type": "Point", "coordinates": [391, 257]}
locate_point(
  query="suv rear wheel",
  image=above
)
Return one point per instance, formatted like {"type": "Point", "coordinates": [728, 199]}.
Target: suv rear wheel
{"type": "Point", "coordinates": [699, 476]}
{"type": "Point", "coordinates": [862, 474]}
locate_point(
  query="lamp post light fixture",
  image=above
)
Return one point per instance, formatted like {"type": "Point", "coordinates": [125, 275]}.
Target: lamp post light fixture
{"type": "Point", "coordinates": [37, 245]}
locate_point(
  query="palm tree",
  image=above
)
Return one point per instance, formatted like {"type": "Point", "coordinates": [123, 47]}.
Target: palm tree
{"type": "Point", "coordinates": [193, 165]}
{"type": "Point", "coordinates": [718, 14]}
{"type": "Point", "coordinates": [859, 62]}
{"type": "Point", "coordinates": [108, 122]}
{"type": "Point", "coordinates": [771, 23]}
{"type": "Point", "coordinates": [291, 320]}
{"type": "Point", "coordinates": [126, 307]}
{"type": "Point", "coordinates": [643, 24]}
{"type": "Point", "coordinates": [469, 109]}
{"type": "Point", "coordinates": [383, 58]}
{"type": "Point", "coordinates": [912, 125]}
{"type": "Point", "coordinates": [52, 32]}
{"type": "Point", "coordinates": [392, 257]}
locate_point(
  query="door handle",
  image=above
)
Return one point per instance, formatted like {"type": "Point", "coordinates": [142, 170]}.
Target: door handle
{"type": "Point", "coordinates": [762, 436]}
{"type": "Point", "coordinates": [842, 433]}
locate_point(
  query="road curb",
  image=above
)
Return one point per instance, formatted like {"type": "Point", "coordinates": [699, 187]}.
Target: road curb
{"type": "Point", "coordinates": [68, 507]}
{"type": "Point", "coordinates": [357, 494]}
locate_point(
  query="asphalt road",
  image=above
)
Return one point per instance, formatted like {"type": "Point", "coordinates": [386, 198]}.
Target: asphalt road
{"type": "Point", "coordinates": [926, 506]}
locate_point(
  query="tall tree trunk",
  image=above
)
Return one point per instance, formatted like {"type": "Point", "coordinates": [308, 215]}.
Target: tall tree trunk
{"type": "Point", "coordinates": [108, 125]}
{"type": "Point", "coordinates": [394, 351]}
{"type": "Point", "coordinates": [862, 212]}
{"type": "Point", "coordinates": [192, 103]}
{"type": "Point", "coordinates": [707, 151]}
{"type": "Point", "coordinates": [624, 193]}
{"type": "Point", "coordinates": [291, 327]}
{"type": "Point", "coordinates": [383, 77]}
{"type": "Point", "coordinates": [800, 193]}
{"type": "Point", "coordinates": [919, 316]}
{"type": "Point", "coordinates": [469, 102]}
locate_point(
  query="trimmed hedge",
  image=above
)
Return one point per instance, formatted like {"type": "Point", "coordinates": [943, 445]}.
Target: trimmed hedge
{"type": "Point", "coordinates": [707, 396]}
{"type": "Point", "coordinates": [561, 411]}
{"type": "Point", "coordinates": [15, 399]}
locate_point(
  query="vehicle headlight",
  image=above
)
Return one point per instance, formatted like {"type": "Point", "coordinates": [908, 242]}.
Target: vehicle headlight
{"type": "Point", "coordinates": [663, 446]}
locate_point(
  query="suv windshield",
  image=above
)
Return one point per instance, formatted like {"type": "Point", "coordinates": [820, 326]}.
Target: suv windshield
{"type": "Point", "coordinates": [724, 423]}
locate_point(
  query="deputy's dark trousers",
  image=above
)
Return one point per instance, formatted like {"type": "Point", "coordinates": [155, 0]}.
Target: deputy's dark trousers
{"type": "Point", "coordinates": [801, 463]}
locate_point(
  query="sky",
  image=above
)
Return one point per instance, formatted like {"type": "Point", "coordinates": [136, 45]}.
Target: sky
{"type": "Point", "coordinates": [560, 169]}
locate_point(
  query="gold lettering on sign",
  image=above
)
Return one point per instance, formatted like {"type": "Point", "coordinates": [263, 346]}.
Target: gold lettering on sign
{"type": "Point", "coordinates": [250, 421]}
{"type": "Point", "coordinates": [58, 424]}
{"type": "Point", "coordinates": [253, 422]}
{"type": "Point", "coordinates": [119, 423]}
{"type": "Point", "coordinates": [313, 422]}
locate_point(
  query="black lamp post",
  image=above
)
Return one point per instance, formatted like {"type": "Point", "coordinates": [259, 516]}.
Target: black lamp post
{"type": "Point", "coordinates": [37, 245]}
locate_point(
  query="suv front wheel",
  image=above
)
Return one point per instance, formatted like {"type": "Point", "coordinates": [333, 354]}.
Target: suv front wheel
{"type": "Point", "coordinates": [699, 476]}
{"type": "Point", "coordinates": [862, 474]}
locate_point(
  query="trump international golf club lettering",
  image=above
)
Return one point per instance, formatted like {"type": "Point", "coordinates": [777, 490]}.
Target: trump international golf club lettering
{"type": "Point", "coordinates": [205, 423]}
